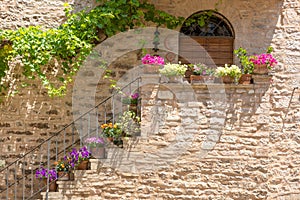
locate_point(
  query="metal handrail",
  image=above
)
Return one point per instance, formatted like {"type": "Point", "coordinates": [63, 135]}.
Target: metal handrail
{"type": "Point", "coordinates": [33, 162]}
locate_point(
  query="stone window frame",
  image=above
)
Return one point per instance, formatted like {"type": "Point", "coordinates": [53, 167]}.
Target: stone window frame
{"type": "Point", "coordinates": [216, 37]}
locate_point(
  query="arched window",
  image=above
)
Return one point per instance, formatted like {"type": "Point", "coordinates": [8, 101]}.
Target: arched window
{"type": "Point", "coordinates": [213, 32]}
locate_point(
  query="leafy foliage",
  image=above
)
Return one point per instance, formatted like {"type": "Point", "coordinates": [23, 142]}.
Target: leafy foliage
{"type": "Point", "coordinates": [247, 65]}
{"type": "Point", "coordinates": [56, 54]}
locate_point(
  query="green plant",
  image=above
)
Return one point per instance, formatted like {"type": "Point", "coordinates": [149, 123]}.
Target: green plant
{"type": "Point", "coordinates": [111, 130]}
{"type": "Point", "coordinates": [173, 69]}
{"type": "Point", "coordinates": [130, 98]}
{"type": "Point", "coordinates": [95, 142]}
{"type": "Point", "coordinates": [264, 58]}
{"type": "Point", "coordinates": [129, 123]}
{"type": "Point", "coordinates": [62, 166]}
{"type": "Point", "coordinates": [202, 69]}
{"type": "Point", "coordinates": [233, 71]}
{"type": "Point", "coordinates": [247, 65]}
{"type": "Point", "coordinates": [55, 55]}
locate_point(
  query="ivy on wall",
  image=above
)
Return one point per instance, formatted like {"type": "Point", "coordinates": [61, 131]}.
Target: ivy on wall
{"type": "Point", "coordinates": [56, 54]}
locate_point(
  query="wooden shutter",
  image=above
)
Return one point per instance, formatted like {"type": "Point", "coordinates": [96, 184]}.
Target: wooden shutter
{"type": "Point", "coordinates": [220, 49]}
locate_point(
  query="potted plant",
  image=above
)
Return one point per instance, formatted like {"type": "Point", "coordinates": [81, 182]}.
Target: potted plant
{"type": "Point", "coordinates": [263, 62]}
{"type": "Point", "coordinates": [129, 123]}
{"type": "Point", "coordinates": [246, 65]}
{"type": "Point", "coordinates": [96, 145]}
{"type": "Point", "coordinates": [202, 73]}
{"type": "Point", "coordinates": [79, 159]}
{"type": "Point", "coordinates": [112, 132]}
{"type": "Point", "coordinates": [174, 72]}
{"type": "Point", "coordinates": [152, 63]}
{"type": "Point", "coordinates": [63, 170]}
{"type": "Point", "coordinates": [229, 74]}
{"type": "Point", "coordinates": [130, 99]}
{"type": "Point", "coordinates": [45, 174]}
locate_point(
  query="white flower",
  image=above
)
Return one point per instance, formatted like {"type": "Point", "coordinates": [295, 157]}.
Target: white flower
{"type": "Point", "coordinates": [173, 69]}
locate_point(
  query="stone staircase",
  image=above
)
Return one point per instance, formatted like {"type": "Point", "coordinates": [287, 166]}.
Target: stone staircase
{"type": "Point", "coordinates": [74, 188]}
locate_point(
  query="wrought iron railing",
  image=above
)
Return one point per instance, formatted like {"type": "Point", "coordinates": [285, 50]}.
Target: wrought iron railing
{"type": "Point", "coordinates": [17, 180]}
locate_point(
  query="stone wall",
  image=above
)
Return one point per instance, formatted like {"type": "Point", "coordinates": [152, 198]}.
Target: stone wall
{"type": "Point", "coordinates": [20, 13]}
{"type": "Point", "coordinates": [211, 144]}
{"type": "Point", "coordinates": [256, 156]}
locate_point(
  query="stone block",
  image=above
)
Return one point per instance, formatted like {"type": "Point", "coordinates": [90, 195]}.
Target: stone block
{"type": "Point", "coordinates": [165, 95]}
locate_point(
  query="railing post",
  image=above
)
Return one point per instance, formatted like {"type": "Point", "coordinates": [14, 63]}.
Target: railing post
{"type": "Point", "coordinates": [23, 188]}
{"type": "Point", "coordinates": [7, 183]}
{"type": "Point", "coordinates": [64, 141]}
{"type": "Point", "coordinates": [48, 166]}
{"type": "Point", "coordinates": [15, 181]}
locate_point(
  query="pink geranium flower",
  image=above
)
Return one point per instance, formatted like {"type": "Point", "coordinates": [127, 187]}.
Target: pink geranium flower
{"type": "Point", "coordinates": [153, 60]}
{"type": "Point", "coordinates": [264, 58]}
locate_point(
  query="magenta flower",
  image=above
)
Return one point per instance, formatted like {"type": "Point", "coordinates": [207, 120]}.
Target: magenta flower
{"type": "Point", "coordinates": [264, 58]}
{"type": "Point", "coordinates": [135, 96]}
{"type": "Point", "coordinates": [153, 60]}
{"type": "Point", "coordinates": [130, 98]}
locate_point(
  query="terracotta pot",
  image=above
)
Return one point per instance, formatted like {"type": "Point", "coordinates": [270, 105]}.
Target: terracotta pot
{"type": "Point", "coordinates": [188, 74]}
{"type": "Point", "coordinates": [98, 152]}
{"type": "Point", "coordinates": [83, 165]}
{"type": "Point", "coordinates": [151, 69]}
{"type": "Point", "coordinates": [260, 69]}
{"type": "Point", "coordinates": [52, 185]}
{"type": "Point", "coordinates": [227, 79]}
{"type": "Point", "coordinates": [196, 78]}
{"type": "Point", "coordinates": [63, 176]}
{"type": "Point", "coordinates": [110, 139]}
{"type": "Point", "coordinates": [245, 79]}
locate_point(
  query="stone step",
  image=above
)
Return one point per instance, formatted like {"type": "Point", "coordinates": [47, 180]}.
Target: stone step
{"type": "Point", "coordinates": [52, 195]}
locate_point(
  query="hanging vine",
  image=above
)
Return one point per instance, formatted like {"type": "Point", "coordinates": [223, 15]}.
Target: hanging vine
{"type": "Point", "coordinates": [56, 54]}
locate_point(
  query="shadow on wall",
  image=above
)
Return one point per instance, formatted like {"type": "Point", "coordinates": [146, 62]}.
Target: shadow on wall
{"type": "Point", "coordinates": [254, 23]}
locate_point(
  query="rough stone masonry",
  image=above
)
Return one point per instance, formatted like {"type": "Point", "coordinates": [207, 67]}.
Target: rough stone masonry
{"type": "Point", "coordinates": [255, 157]}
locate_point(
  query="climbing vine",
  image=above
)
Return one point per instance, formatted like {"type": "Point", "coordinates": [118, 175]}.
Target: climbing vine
{"type": "Point", "coordinates": [56, 54]}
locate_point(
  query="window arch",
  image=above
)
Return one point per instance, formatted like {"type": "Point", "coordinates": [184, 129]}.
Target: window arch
{"type": "Point", "coordinates": [213, 32]}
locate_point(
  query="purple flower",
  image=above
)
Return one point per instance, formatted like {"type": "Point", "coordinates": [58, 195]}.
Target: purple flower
{"type": "Point", "coordinates": [45, 173]}
{"type": "Point", "coordinates": [95, 141]}
{"type": "Point", "coordinates": [135, 96]}
{"type": "Point", "coordinates": [76, 156]}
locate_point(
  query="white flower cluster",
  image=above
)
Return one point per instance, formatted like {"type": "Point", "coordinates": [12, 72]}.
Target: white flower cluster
{"type": "Point", "coordinates": [232, 71]}
{"type": "Point", "coordinates": [173, 69]}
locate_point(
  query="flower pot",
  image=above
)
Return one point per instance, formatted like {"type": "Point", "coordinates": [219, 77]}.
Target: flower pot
{"type": "Point", "coordinates": [227, 79]}
{"type": "Point", "coordinates": [110, 139]}
{"type": "Point", "coordinates": [118, 142]}
{"type": "Point", "coordinates": [133, 108]}
{"type": "Point", "coordinates": [188, 74]}
{"type": "Point", "coordinates": [63, 176]}
{"type": "Point", "coordinates": [52, 185]}
{"type": "Point", "coordinates": [83, 165]}
{"type": "Point", "coordinates": [260, 69]}
{"type": "Point", "coordinates": [245, 79]}
{"type": "Point", "coordinates": [196, 78]}
{"type": "Point", "coordinates": [98, 152]}
{"type": "Point", "coordinates": [151, 69]}
{"type": "Point", "coordinates": [175, 79]}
